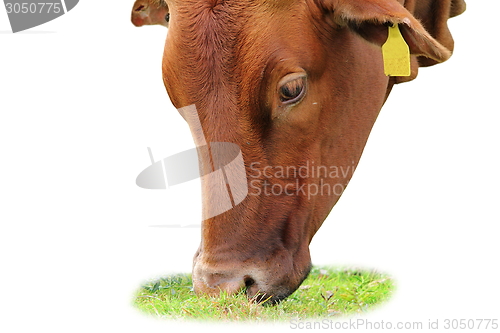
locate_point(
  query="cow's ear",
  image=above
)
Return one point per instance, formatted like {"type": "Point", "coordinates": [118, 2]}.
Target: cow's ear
{"type": "Point", "coordinates": [150, 12]}
{"type": "Point", "coordinates": [371, 18]}
{"type": "Point", "coordinates": [434, 15]}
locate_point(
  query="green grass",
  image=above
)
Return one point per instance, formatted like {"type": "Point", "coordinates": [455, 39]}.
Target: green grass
{"type": "Point", "coordinates": [327, 292]}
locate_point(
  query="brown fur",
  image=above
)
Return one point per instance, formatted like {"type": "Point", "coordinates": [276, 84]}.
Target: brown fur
{"type": "Point", "coordinates": [149, 12]}
{"type": "Point", "coordinates": [228, 57]}
{"type": "Point", "coordinates": [434, 17]}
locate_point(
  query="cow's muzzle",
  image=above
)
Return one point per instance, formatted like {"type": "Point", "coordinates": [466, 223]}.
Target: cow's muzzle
{"type": "Point", "coordinates": [260, 286]}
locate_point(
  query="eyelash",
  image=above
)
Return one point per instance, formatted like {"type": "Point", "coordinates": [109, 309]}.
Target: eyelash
{"type": "Point", "coordinates": [292, 91]}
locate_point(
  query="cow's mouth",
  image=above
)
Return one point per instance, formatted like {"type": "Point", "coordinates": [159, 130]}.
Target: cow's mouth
{"type": "Point", "coordinates": [273, 297]}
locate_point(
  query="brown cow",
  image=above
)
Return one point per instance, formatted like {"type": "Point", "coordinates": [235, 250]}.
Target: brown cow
{"type": "Point", "coordinates": [297, 85]}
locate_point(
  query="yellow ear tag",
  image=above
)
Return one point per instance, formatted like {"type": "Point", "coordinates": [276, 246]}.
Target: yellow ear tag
{"type": "Point", "coordinates": [396, 54]}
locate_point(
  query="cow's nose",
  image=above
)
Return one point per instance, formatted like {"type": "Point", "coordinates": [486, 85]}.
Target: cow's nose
{"type": "Point", "coordinates": [213, 283]}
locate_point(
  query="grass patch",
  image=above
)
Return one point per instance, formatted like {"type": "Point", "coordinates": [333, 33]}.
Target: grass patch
{"type": "Point", "coordinates": [327, 292]}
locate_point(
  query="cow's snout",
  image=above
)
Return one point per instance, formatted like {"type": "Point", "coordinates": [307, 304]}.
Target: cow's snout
{"type": "Point", "coordinates": [212, 283]}
{"type": "Point", "coordinates": [261, 284]}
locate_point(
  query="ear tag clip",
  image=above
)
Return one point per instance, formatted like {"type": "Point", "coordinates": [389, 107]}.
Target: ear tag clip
{"type": "Point", "coordinates": [396, 54]}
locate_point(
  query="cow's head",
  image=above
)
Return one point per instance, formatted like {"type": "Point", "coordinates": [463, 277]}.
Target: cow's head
{"type": "Point", "coordinates": [297, 85]}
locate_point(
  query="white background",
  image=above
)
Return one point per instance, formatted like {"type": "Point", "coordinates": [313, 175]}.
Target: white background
{"type": "Point", "coordinates": [81, 99]}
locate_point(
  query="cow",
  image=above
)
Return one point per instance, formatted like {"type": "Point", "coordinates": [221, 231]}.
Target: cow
{"type": "Point", "coordinates": [297, 85]}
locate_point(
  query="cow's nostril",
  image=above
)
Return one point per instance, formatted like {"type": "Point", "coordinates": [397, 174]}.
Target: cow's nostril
{"type": "Point", "coordinates": [249, 281]}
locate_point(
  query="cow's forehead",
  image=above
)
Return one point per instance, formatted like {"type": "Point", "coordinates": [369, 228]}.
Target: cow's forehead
{"type": "Point", "coordinates": [225, 14]}
{"type": "Point", "coordinates": [242, 3]}
{"type": "Point", "coordinates": [238, 47]}
{"type": "Point", "coordinates": [226, 29]}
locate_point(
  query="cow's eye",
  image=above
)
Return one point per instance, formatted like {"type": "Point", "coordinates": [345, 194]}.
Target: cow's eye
{"type": "Point", "coordinates": [167, 17]}
{"type": "Point", "coordinates": [292, 88]}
